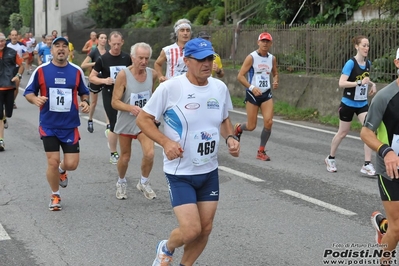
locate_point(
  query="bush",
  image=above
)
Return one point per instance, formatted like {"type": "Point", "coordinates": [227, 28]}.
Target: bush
{"type": "Point", "coordinates": [193, 13]}
{"type": "Point", "coordinates": [203, 16]}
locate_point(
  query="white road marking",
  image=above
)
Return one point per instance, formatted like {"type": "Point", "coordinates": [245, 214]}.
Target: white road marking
{"type": "Point", "coordinates": [318, 202]}
{"type": "Point", "coordinates": [3, 234]}
{"type": "Point", "coordinates": [255, 179]}
{"type": "Point", "coordinates": [301, 126]}
{"type": "Point", "coordinates": [240, 174]}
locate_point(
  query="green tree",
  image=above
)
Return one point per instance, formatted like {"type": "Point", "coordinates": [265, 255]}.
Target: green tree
{"type": "Point", "coordinates": [319, 11]}
{"type": "Point", "coordinates": [386, 6]}
{"type": "Point", "coordinates": [16, 21]}
{"type": "Point", "coordinates": [113, 13]}
{"type": "Point", "coordinates": [26, 10]}
{"type": "Point", "coordinates": [7, 8]}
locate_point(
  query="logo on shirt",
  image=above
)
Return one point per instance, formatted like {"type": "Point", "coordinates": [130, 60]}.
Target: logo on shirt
{"type": "Point", "coordinates": [60, 92]}
{"type": "Point", "coordinates": [140, 96]}
{"type": "Point", "coordinates": [206, 136]}
{"type": "Point", "coordinates": [191, 96]}
{"type": "Point", "coordinates": [212, 104]}
{"type": "Point", "coordinates": [60, 81]}
{"type": "Point", "coordinates": [192, 106]}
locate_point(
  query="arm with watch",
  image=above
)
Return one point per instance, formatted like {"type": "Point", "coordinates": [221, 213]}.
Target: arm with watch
{"type": "Point", "coordinates": [85, 103]}
{"type": "Point", "coordinates": [232, 142]}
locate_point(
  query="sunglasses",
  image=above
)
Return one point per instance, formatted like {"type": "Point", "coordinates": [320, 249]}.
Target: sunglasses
{"type": "Point", "coordinates": [208, 58]}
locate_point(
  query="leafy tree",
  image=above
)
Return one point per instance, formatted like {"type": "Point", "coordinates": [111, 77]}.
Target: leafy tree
{"type": "Point", "coordinates": [386, 6]}
{"type": "Point", "coordinates": [318, 11]}
{"type": "Point", "coordinates": [26, 10]}
{"type": "Point", "coordinates": [113, 13]}
{"type": "Point", "coordinates": [16, 21]}
{"type": "Point", "coordinates": [7, 8]}
{"type": "Point", "coordinates": [171, 10]}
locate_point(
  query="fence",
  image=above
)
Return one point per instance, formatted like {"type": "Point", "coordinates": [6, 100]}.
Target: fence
{"type": "Point", "coordinates": [319, 49]}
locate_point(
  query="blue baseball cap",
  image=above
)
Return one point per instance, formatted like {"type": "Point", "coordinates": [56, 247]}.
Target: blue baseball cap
{"type": "Point", "coordinates": [60, 39]}
{"type": "Point", "coordinates": [198, 48]}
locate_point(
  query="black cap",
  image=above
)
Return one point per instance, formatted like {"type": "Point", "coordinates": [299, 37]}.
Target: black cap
{"type": "Point", "coordinates": [203, 35]}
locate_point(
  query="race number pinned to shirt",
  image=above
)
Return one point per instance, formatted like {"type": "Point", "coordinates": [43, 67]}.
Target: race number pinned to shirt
{"type": "Point", "coordinates": [139, 99]}
{"type": "Point", "coordinates": [48, 57]}
{"type": "Point", "coordinates": [203, 146]}
{"type": "Point", "coordinates": [114, 70]}
{"type": "Point", "coordinates": [361, 92]}
{"type": "Point", "coordinates": [60, 99]}
{"type": "Point", "coordinates": [262, 80]}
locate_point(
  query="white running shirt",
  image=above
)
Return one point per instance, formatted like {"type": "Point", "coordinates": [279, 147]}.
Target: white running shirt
{"type": "Point", "coordinates": [192, 116]}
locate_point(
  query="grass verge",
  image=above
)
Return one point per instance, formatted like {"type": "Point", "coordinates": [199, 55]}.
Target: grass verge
{"type": "Point", "coordinates": [292, 113]}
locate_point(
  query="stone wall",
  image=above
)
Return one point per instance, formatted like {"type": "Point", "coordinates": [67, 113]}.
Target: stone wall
{"type": "Point", "coordinates": [301, 91]}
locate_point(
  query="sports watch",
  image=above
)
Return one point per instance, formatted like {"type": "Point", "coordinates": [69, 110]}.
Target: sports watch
{"type": "Point", "coordinates": [359, 83]}
{"type": "Point", "coordinates": [232, 136]}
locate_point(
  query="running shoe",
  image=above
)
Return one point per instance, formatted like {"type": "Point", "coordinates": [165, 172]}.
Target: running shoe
{"type": "Point", "coordinates": [146, 189]}
{"type": "Point", "coordinates": [237, 133]}
{"type": "Point", "coordinates": [262, 156]}
{"type": "Point", "coordinates": [368, 169]}
{"type": "Point", "coordinates": [64, 179]}
{"type": "Point", "coordinates": [15, 106]}
{"type": "Point", "coordinates": [2, 146]}
{"type": "Point", "coordinates": [377, 219]}
{"type": "Point", "coordinates": [90, 126]}
{"type": "Point", "coordinates": [55, 203]}
{"type": "Point", "coordinates": [114, 158]}
{"type": "Point", "coordinates": [5, 123]}
{"type": "Point", "coordinates": [121, 190]}
{"type": "Point", "coordinates": [163, 258]}
{"type": "Point", "coordinates": [331, 166]}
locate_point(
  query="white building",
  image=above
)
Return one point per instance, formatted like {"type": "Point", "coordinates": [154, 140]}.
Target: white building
{"type": "Point", "coordinates": [51, 15]}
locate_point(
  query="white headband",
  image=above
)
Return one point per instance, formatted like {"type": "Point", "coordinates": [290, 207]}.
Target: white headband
{"type": "Point", "coordinates": [183, 25]}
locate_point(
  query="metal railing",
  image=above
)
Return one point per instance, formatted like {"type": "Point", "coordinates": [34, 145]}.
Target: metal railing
{"type": "Point", "coordinates": [319, 49]}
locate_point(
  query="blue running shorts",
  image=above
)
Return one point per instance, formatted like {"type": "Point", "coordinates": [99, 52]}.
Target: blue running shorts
{"type": "Point", "coordinates": [186, 189]}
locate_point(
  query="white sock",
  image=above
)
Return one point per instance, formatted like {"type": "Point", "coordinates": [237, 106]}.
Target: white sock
{"type": "Point", "coordinates": [60, 169]}
{"type": "Point", "coordinates": [144, 179]}
{"type": "Point", "coordinates": [121, 180]}
{"type": "Point", "coordinates": [57, 192]}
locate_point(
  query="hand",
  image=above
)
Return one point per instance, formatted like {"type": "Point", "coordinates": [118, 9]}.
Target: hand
{"type": "Point", "coordinates": [234, 147]}
{"type": "Point", "coordinates": [275, 85]}
{"type": "Point", "coordinates": [162, 78]}
{"type": "Point", "coordinates": [135, 110]}
{"type": "Point", "coordinates": [109, 81]}
{"type": "Point", "coordinates": [391, 161]}
{"type": "Point", "coordinates": [85, 107]}
{"type": "Point", "coordinates": [256, 91]}
{"type": "Point", "coordinates": [366, 80]}
{"type": "Point", "coordinates": [173, 150]}
{"type": "Point", "coordinates": [373, 90]}
{"type": "Point", "coordinates": [40, 100]}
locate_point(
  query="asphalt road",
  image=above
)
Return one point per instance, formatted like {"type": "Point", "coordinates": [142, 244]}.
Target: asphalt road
{"type": "Point", "coordinates": [289, 211]}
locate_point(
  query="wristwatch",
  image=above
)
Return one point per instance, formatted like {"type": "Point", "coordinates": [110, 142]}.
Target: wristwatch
{"type": "Point", "coordinates": [359, 83]}
{"type": "Point", "coordinates": [232, 136]}
{"type": "Point", "coordinates": [19, 75]}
